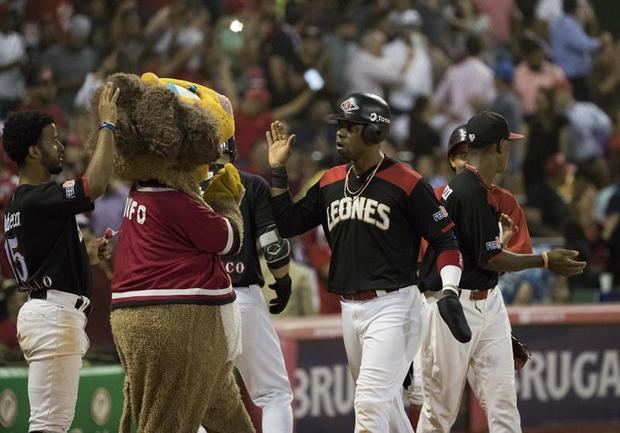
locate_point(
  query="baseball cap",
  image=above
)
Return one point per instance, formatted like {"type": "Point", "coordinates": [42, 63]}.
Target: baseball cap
{"type": "Point", "coordinates": [488, 128]}
{"type": "Point", "coordinates": [504, 71]}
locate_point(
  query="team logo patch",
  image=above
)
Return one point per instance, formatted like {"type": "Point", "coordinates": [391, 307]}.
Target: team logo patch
{"type": "Point", "coordinates": [348, 106]}
{"type": "Point", "coordinates": [494, 245]}
{"type": "Point", "coordinates": [440, 214]}
{"type": "Point", "coordinates": [69, 189]}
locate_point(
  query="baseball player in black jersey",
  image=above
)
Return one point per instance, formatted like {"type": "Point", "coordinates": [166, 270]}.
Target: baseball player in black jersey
{"type": "Point", "coordinates": [48, 257]}
{"type": "Point", "coordinates": [374, 212]}
{"type": "Point", "coordinates": [261, 363]}
{"type": "Point", "coordinates": [475, 212]}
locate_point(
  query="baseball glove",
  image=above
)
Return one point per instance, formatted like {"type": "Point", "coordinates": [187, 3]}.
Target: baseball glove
{"type": "Point", "coordinates": [451, 312]}
{"type": "Point", "coordinates": [520, 353]}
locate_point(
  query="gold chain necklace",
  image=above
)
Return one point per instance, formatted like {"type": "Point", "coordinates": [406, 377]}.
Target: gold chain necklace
{"type": "Point", "coordinates": [355, 194]}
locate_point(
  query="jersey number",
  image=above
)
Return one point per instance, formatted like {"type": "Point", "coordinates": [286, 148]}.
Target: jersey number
{"type": "Point", "coordinates": [16, 260]}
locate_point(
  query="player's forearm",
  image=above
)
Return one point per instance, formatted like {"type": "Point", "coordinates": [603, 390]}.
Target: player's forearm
{"type": "Point", "coordinates": [99, 169]}
{"type": "Point", "coordinates": [511, 262]}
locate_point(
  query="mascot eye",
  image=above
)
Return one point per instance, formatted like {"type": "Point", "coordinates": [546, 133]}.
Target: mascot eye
{"type": "Point", "coordinates": [192, 88]}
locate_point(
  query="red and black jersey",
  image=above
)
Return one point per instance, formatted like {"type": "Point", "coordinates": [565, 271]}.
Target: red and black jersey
{"type": "Point", "coordinates": [43, 243]}
{"type": "Point", "coordinates": [374, 236]}
{"type": "Point", "coordinates": [169, 251]}
{"type": "Point", "coordinates": [474, 210]}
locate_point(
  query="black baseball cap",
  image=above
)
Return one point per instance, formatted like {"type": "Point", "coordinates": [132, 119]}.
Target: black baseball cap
{"type": "Point", "coordinates": [487, 128]}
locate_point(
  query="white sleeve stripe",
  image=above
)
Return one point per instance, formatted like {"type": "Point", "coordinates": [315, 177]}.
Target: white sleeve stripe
{"type": "Point", "coordinates": [231, 238]}
{"type": "Point", "coordinates": [270, 237]}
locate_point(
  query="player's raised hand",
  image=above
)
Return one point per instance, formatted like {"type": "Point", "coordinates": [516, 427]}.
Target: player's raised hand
{"type": "Point", "coordinates": [107, 103]}
{"type": "Point", "coordinates": [279, 143]}
{"type": "Point", "coordinates": [562, 262]}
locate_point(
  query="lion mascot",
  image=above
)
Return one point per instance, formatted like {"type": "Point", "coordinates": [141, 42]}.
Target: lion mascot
{"type": "Point", "coordinates": [174, 317]}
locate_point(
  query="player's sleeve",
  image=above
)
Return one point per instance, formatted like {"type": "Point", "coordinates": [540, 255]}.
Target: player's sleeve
{"type": "Point", "coordinates": [209, 231]}
{"type": "Point", "coordinates": [478, 227]}
{"type": "Point", "coordinates": [275, 249]}
{"type": "Point", "coordinates": [294, 219]}
{"type": "Point", "coordinates": [431, 220]}
{"type": "Point", "coordinates": [70, 198]}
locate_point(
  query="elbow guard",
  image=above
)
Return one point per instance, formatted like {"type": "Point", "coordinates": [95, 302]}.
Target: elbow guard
{"type": "Point", "coordinates": [275, 249]}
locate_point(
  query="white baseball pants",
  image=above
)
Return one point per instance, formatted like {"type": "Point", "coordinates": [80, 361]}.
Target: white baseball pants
{"type": "Point", "coordinates": [381, 337]}
{"type": "Point", "coordinates": [445, 364]}
{"type": "Point", "coordinates": [261, 363]}
{"type": "Point", "coordinates": [51, 335]}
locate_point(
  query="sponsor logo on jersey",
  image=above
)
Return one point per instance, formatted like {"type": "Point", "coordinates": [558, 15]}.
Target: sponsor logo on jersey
{"type": "Point", "coordinates": [362, 209]}
{"type": "Point", "coordinates": [11, 221]}
{"type": "Point", "coordinates": [440, 214]}
{"type": "Point", "coordinates": [495, 244]}
{"type": "Point", "coordinates": [374, 117]}
{"type": "Point", "coordinates": [446, 192]}
{"type": "Point", "coordinates": [349, 105]}
{"type": "Point", "coordinates": [69, 189]}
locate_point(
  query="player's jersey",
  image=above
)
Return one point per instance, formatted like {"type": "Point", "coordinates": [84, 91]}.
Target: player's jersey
{"type": "Point", "coordinates": [244, 267]}
{"type": "Point", "coordinates": [168, 251]}
{"type": "Point", "coordinates": [474, 210]}
{"type": "Point", "coordinates": [43, 243]}
{"type": "Point", "coordinates": [374, 236]}
{"type": "Point", "coordinates": [520, 242]}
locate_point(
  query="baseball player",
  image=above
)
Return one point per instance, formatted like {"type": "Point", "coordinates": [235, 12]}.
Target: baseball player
{"type": "Point", "coordinates": [374, 211]}
{"type": "Point", "coordinates": [261, 363]}
{"type": "Point", "coordinates": [476, 215]}
{"type": "Point", "coordinates": [49, 259]}
{"type": "Point", "coordinates": [516, 238]}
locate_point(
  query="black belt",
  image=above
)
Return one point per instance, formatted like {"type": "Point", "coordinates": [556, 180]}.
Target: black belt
{"type": "Point", "coordinates": [42, 294]}
{"type": "Point", "coordinates": [365, 295]}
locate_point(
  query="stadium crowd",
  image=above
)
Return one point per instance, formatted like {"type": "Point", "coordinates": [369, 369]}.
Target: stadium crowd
{"type": "Point", "coordinates": [546, 65]}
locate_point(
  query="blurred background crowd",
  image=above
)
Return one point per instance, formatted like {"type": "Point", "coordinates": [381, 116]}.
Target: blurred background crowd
{"type": "Point", "coordinates": [551, 67]}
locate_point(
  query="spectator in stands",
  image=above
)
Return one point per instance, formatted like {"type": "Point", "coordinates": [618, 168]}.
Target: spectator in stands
{"type": "Point", "coordinates": [572, 49]}
{"type": "Point", "coordinates": [418, 78]}
{"type": "Point", "coordinates": [12, 60]}
{"type": "Point", "coordinates": [611, 235]}
{"type": "Point", "coordinates": [589, 127]}
{"type": "Point", "coordinates": [605, 77]}
{"type": "Point", "coordinates": [41, 95]}
{"type": "Point", "coordinates": [533, 74]}
{"type": "Point", "coordinates": [315, 134]}
{"type": "Point", "coordinates": [70, 61]}
{"type": "Point", "coordinates": [423, 139]}
{"type": "Point", "coordinates": [369, 69]}
{"type": "Point", "coordinates": [546, 210]}
{"type": "Point", "coordinates": [466, 88]}
{"type": "Point", "coordinates": [548, 135]}
{"type": "Point", "coordinates": [341, 46]}
{"type": "Point", "coordinates": [501, 13]}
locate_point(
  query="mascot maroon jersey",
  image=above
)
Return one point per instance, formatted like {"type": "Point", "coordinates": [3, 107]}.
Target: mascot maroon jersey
{"type": "Point", "coordinates": [168, 251]}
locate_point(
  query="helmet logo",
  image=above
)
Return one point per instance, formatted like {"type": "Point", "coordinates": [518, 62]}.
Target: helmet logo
{"type": "Point", "coordinates": [374, 117]}
{"type": "Point", "coordinates": [349, 105]}
{"type": "Point", "coordinates": [472, 137]}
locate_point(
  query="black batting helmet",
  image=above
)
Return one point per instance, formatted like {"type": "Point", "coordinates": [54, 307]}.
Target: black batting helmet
{"type": "Point", "coordinates": [458, 136]}
{"type": "Point", "coordinates": [367, 109]}
{"type": "Point", "coordinates": [229, 147]}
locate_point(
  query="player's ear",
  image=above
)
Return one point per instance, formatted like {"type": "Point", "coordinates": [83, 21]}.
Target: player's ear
{"type": "Point", "coordinates": [34, 152]}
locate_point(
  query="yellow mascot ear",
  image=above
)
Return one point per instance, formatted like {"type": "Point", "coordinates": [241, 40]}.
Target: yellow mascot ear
{"type": "Point", "coordinates": [217, 105]}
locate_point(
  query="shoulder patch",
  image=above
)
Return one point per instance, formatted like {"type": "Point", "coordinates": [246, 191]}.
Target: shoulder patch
{"type": "Point", "coordinates": [68, 188]}
{"type": "Point", "coordinates": [446, 192]}
{"type": "Point", "coordinates": [401, 175]}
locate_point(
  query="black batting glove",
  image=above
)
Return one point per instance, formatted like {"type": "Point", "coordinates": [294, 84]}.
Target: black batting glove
{"type": "Point", "coordinates": [451, 312]}
{"type": "Point", "coordinates": [282, 286]}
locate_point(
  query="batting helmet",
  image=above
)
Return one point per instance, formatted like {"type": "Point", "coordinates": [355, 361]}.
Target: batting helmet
{"type": "Point", "coordinates": [458, 136]}
{"type": "Point", "coordinates": [369, 110]}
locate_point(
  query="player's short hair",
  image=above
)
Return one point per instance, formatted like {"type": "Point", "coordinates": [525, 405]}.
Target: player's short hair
{"type": "Point", "coordinates": [570, 6]}
{"type": "Point", "coordinates": [22, 129]}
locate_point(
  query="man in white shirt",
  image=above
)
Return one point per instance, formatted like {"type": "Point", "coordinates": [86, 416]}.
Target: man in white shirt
{"type": "Point", "coordinates": [418, 78]}
{"type": "Point", "coordinates": [370, 71]}
{"type": "Point", "coordinates": [12, 58]}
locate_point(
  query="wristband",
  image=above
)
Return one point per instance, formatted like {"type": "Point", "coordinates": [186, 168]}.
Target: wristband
{"type": "Point", "coordinates": [451, 288]}
{"type": "Point", "coordinates": [279, 178]}
{"type": "Point", "coordinates": [109, 125]}
{"type": "Point", "coordinates": [545, 258]}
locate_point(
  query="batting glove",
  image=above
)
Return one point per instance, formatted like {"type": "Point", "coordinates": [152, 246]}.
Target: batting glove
{"type": "Point", "coordinates": [451, 312]}
{"type": "Point", "coordinates": [282, 287]}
